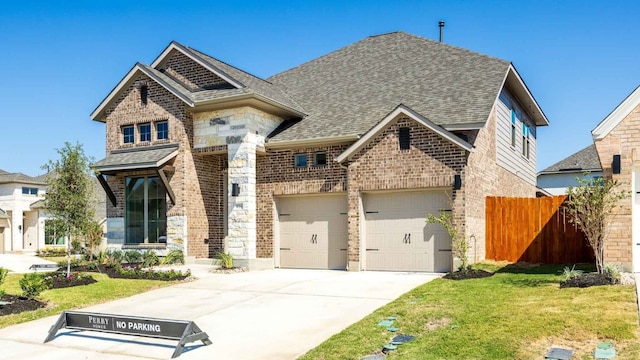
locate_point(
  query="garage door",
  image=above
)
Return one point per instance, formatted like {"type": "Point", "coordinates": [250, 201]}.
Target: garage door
{"type": "Point", "coordinates": [313, 232]}
{"type": "Point", "coordinates": [397, 236]}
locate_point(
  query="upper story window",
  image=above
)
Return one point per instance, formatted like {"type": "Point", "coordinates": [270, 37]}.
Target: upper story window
{"type": "Point", "coordinates": [127, 134]}
{"type": "Point", "coordinates": [320, 159]}
{"type": "Point", "coordinates": [513, 127]}
{"type": "Point", "coordinates": [29, 191]}
{"type": "Point", "coordinates": [145, 132]}
{"type": "Point", "coordinates": [301, 160]}
{"type": "Point", "coordinates": [525, 140]}
{"type": "Point", "coordinates": [162, 130]}
{"type": "Point", "coordinates": [404, 135]}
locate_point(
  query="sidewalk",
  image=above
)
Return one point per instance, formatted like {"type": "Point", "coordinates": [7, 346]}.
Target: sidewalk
{"type": "Point", "coordinates": [20, 263]}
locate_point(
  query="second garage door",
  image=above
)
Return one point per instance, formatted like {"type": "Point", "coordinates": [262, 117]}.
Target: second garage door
{"type": "Point", "coordinates": [313, 232]}
{"type": "Point", "coordinates": [397, 235]}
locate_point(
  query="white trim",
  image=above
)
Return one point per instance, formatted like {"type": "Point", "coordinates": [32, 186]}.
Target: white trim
{"type": "Point", "coordinates": [460, 127]}
{"type": "Point", "coordinates": [402, 110]}
{"type": "Point", "coordinates": [127, 80]}
{"type": "Point", "coordinates": [311, 142]}
{"type": "Point", "coordinates": [539, 115]}
{"type": "Point", "coordinates": [617, 115]}
{"type": "Point", "coordinates": [195, 57]}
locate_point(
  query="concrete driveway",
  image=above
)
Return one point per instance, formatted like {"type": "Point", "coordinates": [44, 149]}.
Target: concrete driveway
{"type": "Point", "coordinates": [271, 314]}
{"type": "Point", "coordinates": [19, 263]}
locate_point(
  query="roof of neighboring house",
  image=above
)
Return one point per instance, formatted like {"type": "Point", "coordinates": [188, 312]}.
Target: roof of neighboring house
{"type": "Point", "coordinates": [137, 158]}
{"type": "Point", "coordinates": [6, 178]}
{"type": "Point", "coordinates": [581, 161]}
{"type": "Point", "coordinates": [350, 90]}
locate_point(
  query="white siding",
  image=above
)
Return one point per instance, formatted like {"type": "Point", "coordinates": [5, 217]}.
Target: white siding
{"type": "Point", "coordinates": [507, 156]}
{"type": "Point", "coordinates": [557, 184]}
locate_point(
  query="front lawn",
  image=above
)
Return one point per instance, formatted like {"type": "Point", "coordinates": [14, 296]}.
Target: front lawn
{"type": "Point", "coordinates": [58, 300]}
{"type": "Point", "coordinates": [518, 313]}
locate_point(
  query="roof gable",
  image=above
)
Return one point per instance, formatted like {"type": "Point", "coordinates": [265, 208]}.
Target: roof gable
{"type": "Point", "coordinates": [392, 116]}
{"type": "Point", "coordinates": [617, 115]}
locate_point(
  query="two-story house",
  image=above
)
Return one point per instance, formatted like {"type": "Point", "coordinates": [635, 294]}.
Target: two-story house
{"type": "Point", "coordinates": [332, 164]}
{"type": "Point", "coordinates": [21, 219]}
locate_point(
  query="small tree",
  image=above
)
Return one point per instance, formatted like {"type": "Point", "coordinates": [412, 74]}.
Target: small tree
{"type": "Point", "coordinates": [590, 206]}
{"type": "Point", "coordinates": [93, 235]}
{"type": "Point", "coordinates": [459, 244]}
{"type": "Point", "coordinates": [69, 192]}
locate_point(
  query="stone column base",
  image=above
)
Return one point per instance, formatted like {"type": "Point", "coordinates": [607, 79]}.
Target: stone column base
{"type": "Point", "coordinates": [354, 266]}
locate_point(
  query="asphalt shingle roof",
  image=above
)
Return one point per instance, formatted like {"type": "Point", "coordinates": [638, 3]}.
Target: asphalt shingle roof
{"type": "Point", "coordinates": [584, 160]}
{"type": "Point", "coordinates": [253, 83]}
{"type": "Point", "coordinates": [6, 177]}
{"type": "Point", "coordinates": [349, 90]}
{"type": "Point", "coordinates": [135, 157]}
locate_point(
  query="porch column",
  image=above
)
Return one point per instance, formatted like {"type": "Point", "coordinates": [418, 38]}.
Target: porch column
{"type": "Point", "coordinates": [241, 239]}
{"type": "Point", "coordinates": [17, 230]}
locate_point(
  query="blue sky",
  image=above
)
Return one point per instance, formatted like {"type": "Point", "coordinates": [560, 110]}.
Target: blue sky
{"type": "Point", "coordinates": [60, 59]}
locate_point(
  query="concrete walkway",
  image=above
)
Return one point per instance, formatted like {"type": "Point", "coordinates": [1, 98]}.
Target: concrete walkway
{"type": "Point", "coordinates": [19, 263]}
{"type": "Point", "coordinates": [271, 314]}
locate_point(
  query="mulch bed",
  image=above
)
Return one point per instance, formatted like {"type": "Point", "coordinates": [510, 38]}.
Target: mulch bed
{"type": "Point", "coordinates": [469, 274]}
{"type": "Point", "coordinates": [587, 280]}
{"type": "Point", "coordinates": [19, 304]}
{"type": "Point", "coordinates": [74, 282]}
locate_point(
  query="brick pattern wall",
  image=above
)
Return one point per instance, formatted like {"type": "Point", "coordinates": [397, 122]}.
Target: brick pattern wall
{"type": "Point", "coordinates": [197, 180]}
{"type": "Point", "coordinates": [431, 162]}
{"type": "Point", "coordinates": [192, 75]}
{"type": "Point", "coordinates": [277, 175]}
{"type": "Point", "coordinates": [620, 141]}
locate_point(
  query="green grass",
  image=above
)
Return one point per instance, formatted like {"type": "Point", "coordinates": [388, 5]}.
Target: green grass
{"type": "Point", "coordinates": [58, 300]}
{"type": "Point", "coordinates": [518, 313]}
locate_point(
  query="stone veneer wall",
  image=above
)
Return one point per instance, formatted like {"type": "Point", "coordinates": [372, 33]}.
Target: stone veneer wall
{"type": "Point", "coordinates": [621, 141]}
{"type": "Point", "coordinates": [277, 175]}
{"type": "Point", "coordinates": [430, 163]}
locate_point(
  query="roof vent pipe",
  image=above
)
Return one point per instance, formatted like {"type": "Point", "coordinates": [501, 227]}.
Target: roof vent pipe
{"type": "Point", "coordinates": [441, 25]}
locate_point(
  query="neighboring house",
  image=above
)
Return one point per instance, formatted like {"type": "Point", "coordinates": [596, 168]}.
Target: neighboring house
{"type": "Point", "coordinates": [25, 225]}
{"type": "Point", "coordinates": [617, 140]}
{"type": "Point", "coordinates": [332, 164]}
{"type": "Point", "coordinates": [557, 178]}
{"type": "Point", "coordinates": [21, 220]}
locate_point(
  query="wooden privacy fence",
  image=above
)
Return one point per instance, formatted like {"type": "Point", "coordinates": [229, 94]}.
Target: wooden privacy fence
{"type": "Point", "coordinates": [534, 230]}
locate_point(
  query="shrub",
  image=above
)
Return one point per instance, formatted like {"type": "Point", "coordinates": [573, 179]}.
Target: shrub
{"type": "Point", "coordinates": [572, 273]}
{"type": "Point", "coordinates": [226, 259]}
{"type": "Point", "coordinates": [173, 257]}
{"type": "Point", "coordinates": [613, 271]}
{"type": "Point", "coordinates": [116, 255]}
{"type": "Point", "coordinates": [32, 285]}
{"type": "Point", "coordinates": [3, 277]}
{"type": "Point", "coordinates": [101, 256]}
{"type": "Point", "coordinates": [132, 256]}
{"type": "Point", "coordinates": [150, 258]}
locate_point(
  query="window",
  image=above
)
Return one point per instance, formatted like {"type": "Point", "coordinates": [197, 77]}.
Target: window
{"type": "Point", "coordinates": [144, 90]}
{"type": "Point", "coordinates": [405, 138]}
{"type": "Point", "coordinates": [301, 160]}
{"type": "Point", "coordinates": [525, 140]}
{"type": "Point", "coordinates": [29, 191]}
{"type": "Point", "coordinates": [127, 134]}
{"type": "Point", "coordinates": [162, 130]}
{"type": "Point", "coordinates": [53, 232]}
{"type": "Point", "coordinates": [513, 127]}
{"type": "Point", "coordinates": [145, 210]}
{"type": "Point", "coordinates": [145, 132]}
{"type": "Point", "coordinates": [320, 159]}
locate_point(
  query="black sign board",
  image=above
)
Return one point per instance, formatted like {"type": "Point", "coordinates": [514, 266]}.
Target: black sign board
{"type": "Point", "coordinates": [184, 331]}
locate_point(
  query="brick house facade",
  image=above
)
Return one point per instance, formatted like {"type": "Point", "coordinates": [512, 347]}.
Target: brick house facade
{"type": "Point", "coordinates": [241, 150]}
{"type": "Point", "coordinates": [617, 137]}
